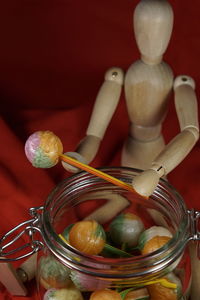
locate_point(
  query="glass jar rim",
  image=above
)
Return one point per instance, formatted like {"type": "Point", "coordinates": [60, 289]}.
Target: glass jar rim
{"type": "Point", "coordinates": [150, 263]}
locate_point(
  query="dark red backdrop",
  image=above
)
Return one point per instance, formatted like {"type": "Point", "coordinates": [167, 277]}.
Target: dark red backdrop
{"type": "Point", "coordinates": [53, 57]}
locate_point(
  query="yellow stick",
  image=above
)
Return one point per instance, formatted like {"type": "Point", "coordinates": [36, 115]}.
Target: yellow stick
{"type": "Point", "coordinates": [96, 172]}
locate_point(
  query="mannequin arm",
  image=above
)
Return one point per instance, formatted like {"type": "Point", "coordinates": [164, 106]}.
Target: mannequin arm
{"type": "Point", "coordinates": [104, 108]}
{"type": "Point", "coordinates": [181, 145]}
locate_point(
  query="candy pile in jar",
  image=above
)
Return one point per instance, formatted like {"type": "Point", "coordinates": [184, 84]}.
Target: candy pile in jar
{"type": "Point", "coordinates": [126, 236]}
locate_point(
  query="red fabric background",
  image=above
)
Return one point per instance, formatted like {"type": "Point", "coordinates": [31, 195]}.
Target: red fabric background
{"type": "Point", "coordinates": [53, 57]}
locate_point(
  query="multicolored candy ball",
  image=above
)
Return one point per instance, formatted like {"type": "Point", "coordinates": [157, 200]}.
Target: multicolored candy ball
{"type": "Point", "coordinates": [43, 149]}
{"type": "Point", "coordinates": [52, 274]}
{"type": "Point", "coordinates": [66, 232]}
{"type": "Point", "coordinates": [126, 229]}
{"type": "Point", "coordinates": [153, 238]}
{"type": "Point", "coordinates": [85, 282]}
{"type": "Point", "coordinates": [105, 294]}
{"type": "Point", "coordinates": [139, 294]}
{"type": "Point", "coordinates": [159, 292]}
{"type": "Point", "coordinates": [70, 293]}
{"type": "Point", "coordinates": [154, 244]}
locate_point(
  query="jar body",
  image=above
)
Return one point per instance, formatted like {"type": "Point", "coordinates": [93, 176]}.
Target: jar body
{"type": "Point", "coordinates": [64, 271]}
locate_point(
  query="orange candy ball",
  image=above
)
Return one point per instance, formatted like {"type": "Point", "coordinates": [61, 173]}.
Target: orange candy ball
{"type": "Point", "coordinates": [154, 244]}
{"type": "Point", "coordinates": [87, 236]}
{"type": "Point", "coordinates": [137, 294]}
{"type": "Point", "coordinates": [159, 292]}
{"type": "Point", "coordinates": [105, 294]}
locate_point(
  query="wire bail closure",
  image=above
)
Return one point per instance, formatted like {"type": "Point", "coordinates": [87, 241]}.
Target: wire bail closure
{"type": "Point", "coordinates": [26, 230]}
{"type": "Point", "coordinates": [194, 217]}
{"type": "Point", "coordinates": [31, 227]}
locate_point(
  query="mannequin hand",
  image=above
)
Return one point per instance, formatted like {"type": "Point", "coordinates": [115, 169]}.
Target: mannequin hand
{"type": "Point", "coordinates": [76, 156]}
{"type": "Point", "coordinates": [146, 182]}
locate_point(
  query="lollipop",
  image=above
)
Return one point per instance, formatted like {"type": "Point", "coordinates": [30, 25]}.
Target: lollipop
{"type": "Point", "coordinates": [85, 282]}
{"type": "Point", "coordinates": [87, 236]}
{"type": "Point", "coordinates": [52, 274]}
{"type": "Point", "coordinates": [44, 149]}
{"type": "Point", "coordinates": [105, 294]}
{"type": "Point", "coordinates": [132, 294]}
{"type": "Point", "coordinates": [153, 238]}
{"type": "Point", "coordinates": [126, 229]}
{"type": "Point", "coordinates": [70, 293]}
{"type": "Point", "coordinates": [159, 292]}
{"type": "Point", "coordinates": [154, 244]}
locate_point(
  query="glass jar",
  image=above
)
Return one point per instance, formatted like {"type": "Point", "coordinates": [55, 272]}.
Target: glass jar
{"type": "Point", "coordinates": [67, 273]}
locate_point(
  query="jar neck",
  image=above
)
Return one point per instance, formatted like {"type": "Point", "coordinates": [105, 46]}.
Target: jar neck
{"type": "Point", "coordinates": [136, 268]}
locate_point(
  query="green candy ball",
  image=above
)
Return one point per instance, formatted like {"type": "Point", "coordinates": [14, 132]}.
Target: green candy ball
{"type": "Point", "coordinates": [125, 229]}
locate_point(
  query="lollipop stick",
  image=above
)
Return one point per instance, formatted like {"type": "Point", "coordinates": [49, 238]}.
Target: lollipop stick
{"type": "Point", "coordinates": [96, 172]}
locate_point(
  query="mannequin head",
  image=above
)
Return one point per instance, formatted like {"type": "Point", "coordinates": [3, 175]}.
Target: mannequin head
{"type": "Point", "coordinates": [153, 23]}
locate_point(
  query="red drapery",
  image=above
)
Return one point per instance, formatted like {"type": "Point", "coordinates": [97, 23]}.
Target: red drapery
{"type": "Point", "coordinates": [53, 57]}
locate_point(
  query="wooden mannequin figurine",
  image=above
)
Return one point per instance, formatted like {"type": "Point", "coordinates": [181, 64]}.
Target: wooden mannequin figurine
{"type": "Point", "coordinates": [148, 83]}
